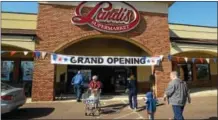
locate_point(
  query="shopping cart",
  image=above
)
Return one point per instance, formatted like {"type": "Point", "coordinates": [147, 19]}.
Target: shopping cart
{"type": "Point", "coordinates": [91, 99]}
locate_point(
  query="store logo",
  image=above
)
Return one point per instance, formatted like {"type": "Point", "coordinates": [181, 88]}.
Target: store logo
{"type": "Point", "coordinates": [105, 18]}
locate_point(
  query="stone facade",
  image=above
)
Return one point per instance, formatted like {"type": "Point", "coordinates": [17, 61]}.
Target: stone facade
{"type": "Point", "coordinates": [55, 30]}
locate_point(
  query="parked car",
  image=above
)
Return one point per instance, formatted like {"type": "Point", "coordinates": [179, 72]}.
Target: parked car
{"type": "Point", "coordinates": [11, 98]}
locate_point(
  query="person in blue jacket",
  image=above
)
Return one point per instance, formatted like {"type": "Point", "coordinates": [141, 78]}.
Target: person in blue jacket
{"type": "Point", "coordinates": [150, 105]}
{"type": "Point", "coordinates": [77, 81]}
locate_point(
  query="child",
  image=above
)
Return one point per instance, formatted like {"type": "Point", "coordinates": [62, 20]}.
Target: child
{"type": "Point", "coordinates": [150, 105]}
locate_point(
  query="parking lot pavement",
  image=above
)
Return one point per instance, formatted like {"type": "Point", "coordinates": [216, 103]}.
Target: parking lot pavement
{"type": "Point", "coordinates": [200, 108]}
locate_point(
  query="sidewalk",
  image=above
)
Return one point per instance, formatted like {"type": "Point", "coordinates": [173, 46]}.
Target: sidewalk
{"type": "Point", "coordinates": [72, 98]}
{"type": "Point", "coordinates": [200, 108]}
{"type": "Point", "coordinates": [196, 92]}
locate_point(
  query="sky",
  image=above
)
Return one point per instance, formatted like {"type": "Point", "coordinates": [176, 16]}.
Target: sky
{"type": "Point", "coordinates": [193, 13]}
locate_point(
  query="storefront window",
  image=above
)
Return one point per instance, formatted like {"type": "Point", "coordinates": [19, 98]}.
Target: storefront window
{"type": "Point", "coordinates": [187, 71]}
{"type": "Point", "coordinates": [7, 70]}
{"type": "Point", "coordinates": [203, 72]}
{"type": "Point", "coordinates": [27, 70]}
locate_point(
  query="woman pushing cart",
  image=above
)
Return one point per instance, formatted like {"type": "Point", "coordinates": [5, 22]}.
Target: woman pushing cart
{"type": "Point", "coordinates": [92, 97]}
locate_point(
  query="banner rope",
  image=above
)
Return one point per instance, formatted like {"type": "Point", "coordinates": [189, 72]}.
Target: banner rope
{"type": "Point", "coordinates": [170, 57]}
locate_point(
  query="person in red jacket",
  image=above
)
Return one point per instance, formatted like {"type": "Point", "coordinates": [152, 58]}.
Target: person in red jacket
{"type": "Point", "coordinates": [95, 84]}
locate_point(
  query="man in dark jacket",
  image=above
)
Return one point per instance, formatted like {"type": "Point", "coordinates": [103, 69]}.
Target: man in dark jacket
{"type": "Point", "coordinates": [177, 94]}
{"type": "Point", "coordinates": [132, 92]}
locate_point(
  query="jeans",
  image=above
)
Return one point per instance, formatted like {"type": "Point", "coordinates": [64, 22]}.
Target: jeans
{"type": "Point", "coordinates": [133, 100]}
{"type": "Point", "coordinates": [78, 91]}
{"type": "Point", "coordinates": [178, 112]}
{"type": "Point", "coordinates": [151, 116]}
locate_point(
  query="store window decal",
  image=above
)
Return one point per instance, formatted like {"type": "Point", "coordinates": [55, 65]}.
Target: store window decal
{"type": "Point", "coordinates": [7, 70]}
{"type": "Point", "coordinates": [27, 70]}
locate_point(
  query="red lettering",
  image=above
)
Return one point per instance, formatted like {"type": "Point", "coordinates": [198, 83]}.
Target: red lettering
{"type": "Point", "coordinates": [84, 19]}
{"type": "Point", "coordinates": [100, 15]}
{"type": "Point", "coordinates": [122, 19]}
{"type": "Point", "coordinates": [116, 15]}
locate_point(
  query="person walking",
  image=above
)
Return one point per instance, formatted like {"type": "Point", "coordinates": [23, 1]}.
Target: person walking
{"type": "Point", "coordinates": [150, 102]}
{"type": "Point", "coordinates": [177, 94]}
{"type": "Point", "coordinates": [95, 87]}
{"type": "Point", "coordinates": [152, 84]}
{"type": "Point", "coordinates": [132, 90]}
{"type": "Point", "coordinates": [77, 81]}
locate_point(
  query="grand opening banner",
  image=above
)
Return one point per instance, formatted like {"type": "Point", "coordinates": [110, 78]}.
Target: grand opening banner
{"type": "Point", "coordinates": [104, 60]}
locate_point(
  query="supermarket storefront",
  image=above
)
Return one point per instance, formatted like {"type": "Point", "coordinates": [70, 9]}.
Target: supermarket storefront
{"type": "Point", "coordinates": [92, 35]}
{"type": "Point", "coordinates": [100, 29]}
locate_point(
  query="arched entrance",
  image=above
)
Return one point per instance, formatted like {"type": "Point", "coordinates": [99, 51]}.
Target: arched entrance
{"type": "Point", "coordinates": [109, 75]}
{"type": "Point", "coordinates": [199, 73]}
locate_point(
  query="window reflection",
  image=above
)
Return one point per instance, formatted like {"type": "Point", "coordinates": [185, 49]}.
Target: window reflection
{"type": "Point", "coordinates": [203, 72]}
{"type": "Point", "coordinates": [7, 69]}
{"type": "Point", "coordinates": [27, 70]}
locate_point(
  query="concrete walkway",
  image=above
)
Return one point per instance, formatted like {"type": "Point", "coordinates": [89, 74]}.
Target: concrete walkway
{"type": "Point", "coordinates": [200, 108]}
{"type": "Point", "coordinates": [203, 106]}
{"type": "Point", "coordinates": [196, 92]}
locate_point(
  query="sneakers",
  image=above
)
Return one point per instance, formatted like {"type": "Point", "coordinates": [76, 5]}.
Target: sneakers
{"type": "Point", "coordinates": [130, 108]}
{"type": "Point", "coordinates": [157, 102]}
{"type": "Point", "coordinates": [134, 109]}
{"type": "Point", "coordinates": [79, 101]}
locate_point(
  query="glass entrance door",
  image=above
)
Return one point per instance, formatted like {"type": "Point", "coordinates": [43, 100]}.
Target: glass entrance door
{"type": "Point", "coordinates": [113, 78]}
{"type": "Point", "coordinates": [120, 80]}
{"type": "Point", "coordinates": [87, 73]}
{"type": "Point", "coordinates": [72, 71]}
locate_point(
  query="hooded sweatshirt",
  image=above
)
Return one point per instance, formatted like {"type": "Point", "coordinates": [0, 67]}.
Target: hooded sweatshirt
{"type": "Point", "coordinates": [177, 92]}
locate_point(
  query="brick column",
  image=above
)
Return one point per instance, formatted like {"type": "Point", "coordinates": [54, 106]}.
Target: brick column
{"type": "Point", "coordinates": [43, 80]}
{"type": "Point", "coordinates": [162, 76]}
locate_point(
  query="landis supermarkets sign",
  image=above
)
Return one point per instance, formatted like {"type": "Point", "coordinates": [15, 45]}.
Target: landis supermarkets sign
{"type": "Point", "coordinates": [104, 60]}
{"type": "Point", "coordinates": [104, 17]}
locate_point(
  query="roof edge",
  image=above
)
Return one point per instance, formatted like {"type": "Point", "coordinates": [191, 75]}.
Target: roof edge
{"type": "Point", "coordinates": [170, 3]}
{"type": "Point", "coordinates": [12, 12]}
{"type": "Point", "coordinates": [8, 31]}
{"type": "Point", "coordinates": [194, 41]}
{"type": "Point", "coordinates": [193, 25]}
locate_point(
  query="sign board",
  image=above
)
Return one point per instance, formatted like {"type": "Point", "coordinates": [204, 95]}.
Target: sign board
{"type": "Point", "coordinates": [104, 60]}
{"type": "Point", "coordinates": [104, 17]}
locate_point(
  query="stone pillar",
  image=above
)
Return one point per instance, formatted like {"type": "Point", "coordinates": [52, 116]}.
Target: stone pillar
{"type": "Point", "coordinates": [162, 76]}
{"type": "Point", "coordinates": [43, 80]}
